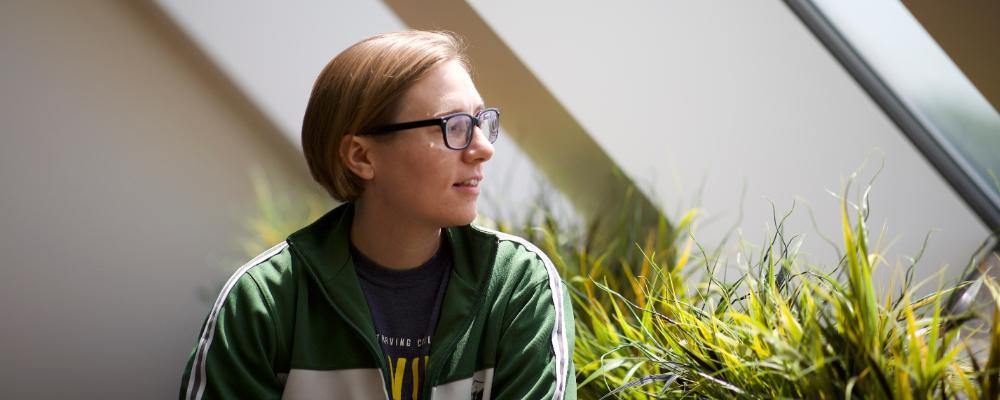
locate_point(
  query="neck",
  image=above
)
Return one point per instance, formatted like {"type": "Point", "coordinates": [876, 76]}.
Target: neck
{"type": "Point", "coordinates": [391, 240]}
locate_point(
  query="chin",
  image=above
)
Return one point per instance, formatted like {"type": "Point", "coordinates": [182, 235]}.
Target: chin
{"type": "Point", "coordinates": [460, 218]}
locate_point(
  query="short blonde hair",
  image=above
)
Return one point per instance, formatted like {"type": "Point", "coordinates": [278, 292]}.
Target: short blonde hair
{"type": "Point", "coordinates": [360, 89]}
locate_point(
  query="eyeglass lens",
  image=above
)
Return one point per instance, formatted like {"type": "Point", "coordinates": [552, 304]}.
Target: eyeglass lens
{"type": "Point", "coordinates": [459, 128]}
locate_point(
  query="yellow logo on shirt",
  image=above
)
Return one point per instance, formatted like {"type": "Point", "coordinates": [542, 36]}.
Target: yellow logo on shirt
{"type": "Point", "coordinates": [398, 368]}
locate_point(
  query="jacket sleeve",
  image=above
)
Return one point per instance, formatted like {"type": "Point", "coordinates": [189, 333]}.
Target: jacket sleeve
{"type": "Point", "coordinates": [535, 353]}
{"type": "Point", "coordinates": [233, 356]}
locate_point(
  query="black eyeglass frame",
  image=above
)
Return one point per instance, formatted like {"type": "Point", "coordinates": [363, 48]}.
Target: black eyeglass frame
{"type": "Point", "coordinates": [442, 122]}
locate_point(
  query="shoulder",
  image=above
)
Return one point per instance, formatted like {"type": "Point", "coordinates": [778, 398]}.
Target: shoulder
{"type": "Point", "coordinates": [520, 260]}
{"type": "Point", "coordinates": [267, 267]}
{"type": "Point", "coordinates": [256, 300]}
{"type": "Point", "coordinates": [260, 279]}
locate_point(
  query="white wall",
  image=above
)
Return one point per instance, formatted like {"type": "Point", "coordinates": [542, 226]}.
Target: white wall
{"type": "Point", "coordinates": [734, 93]}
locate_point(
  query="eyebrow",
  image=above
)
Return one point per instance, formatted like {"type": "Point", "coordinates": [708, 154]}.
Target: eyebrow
{"type": "Point", "coordinates": [479, 107]}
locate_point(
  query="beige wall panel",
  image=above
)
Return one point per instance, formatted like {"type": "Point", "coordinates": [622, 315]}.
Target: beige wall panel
{"type": "Point", "coordinates": [123, 167]}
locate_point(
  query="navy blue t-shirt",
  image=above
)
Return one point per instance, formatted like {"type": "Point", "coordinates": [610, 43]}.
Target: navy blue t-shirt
{"type": "Point", "coordinates": [405, 307]}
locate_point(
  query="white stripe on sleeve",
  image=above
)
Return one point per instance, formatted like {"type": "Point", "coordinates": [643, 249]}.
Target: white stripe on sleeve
{"type": "Point", "coordinates": [559, 342]}
{"type": "Point", "coordinates": [198, 366]}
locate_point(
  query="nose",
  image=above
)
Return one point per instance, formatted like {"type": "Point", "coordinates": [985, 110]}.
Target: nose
{"type": "Point", "coordinates": [480, 149]}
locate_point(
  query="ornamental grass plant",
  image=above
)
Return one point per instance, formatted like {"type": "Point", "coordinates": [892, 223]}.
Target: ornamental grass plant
{"type": "Point", "coordinates": [654, 321]}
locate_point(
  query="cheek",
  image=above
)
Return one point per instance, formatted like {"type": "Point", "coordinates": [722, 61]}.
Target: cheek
{"type": "Point", "coordinates": [422, 170]}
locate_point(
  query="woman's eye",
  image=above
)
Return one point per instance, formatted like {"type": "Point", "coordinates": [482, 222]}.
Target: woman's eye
{"type": "Point", "coordinates": [459, 126]}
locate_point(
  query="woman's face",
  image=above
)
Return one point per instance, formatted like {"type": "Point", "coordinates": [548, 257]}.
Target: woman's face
{"type": "Point", "coordinates": [415, 175]}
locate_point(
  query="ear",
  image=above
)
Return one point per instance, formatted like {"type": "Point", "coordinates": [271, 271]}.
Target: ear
{"type": "Point", "coordinates": [356, 152]}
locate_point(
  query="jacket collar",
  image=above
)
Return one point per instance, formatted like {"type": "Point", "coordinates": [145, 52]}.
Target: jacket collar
{"type": "Point", "coordinates": [323, 245]}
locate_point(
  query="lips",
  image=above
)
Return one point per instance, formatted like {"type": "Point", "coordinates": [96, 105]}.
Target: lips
{"type": "Point", "coordinates": [469, 182]}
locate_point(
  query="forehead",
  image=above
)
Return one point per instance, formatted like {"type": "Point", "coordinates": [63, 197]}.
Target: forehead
{"type": "Point", "coordinates": [446, 88]}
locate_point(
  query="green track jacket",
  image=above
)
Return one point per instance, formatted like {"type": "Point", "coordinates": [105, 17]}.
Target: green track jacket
{"type": "Point", "coordinates": [293, 323]}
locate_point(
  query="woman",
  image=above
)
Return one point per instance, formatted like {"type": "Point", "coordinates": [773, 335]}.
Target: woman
{"type": "Point", "coordinates": [392, 294]}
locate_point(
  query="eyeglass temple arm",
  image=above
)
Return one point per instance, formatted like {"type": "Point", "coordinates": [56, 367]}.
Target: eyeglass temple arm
{"type": "Point", "coordinates": [404, 126]}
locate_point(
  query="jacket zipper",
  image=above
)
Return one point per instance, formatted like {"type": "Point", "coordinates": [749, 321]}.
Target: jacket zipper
{"type": "Point", "coordinates": [375, 352]}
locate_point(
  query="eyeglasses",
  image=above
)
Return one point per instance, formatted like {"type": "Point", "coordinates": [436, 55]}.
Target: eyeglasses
{"type": "Point", "coordinates": [457, 129]}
